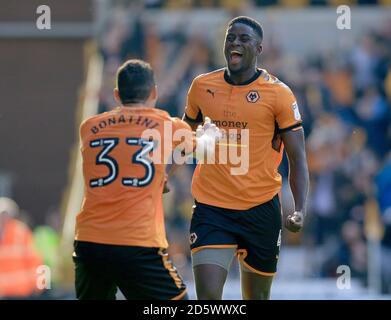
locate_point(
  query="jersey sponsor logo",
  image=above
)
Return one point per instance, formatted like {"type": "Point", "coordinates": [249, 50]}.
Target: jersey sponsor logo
{"type": "Point", "coordinates": [296, 112]}
{"type": "Point", "coordinates": [193, 238]}
{"type": "Point", "coordinates": [231, 124]}
{"type": "Point", "coordinates": [252, 96]}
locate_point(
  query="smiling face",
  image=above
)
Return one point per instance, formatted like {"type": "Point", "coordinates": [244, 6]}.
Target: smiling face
{"type": "Point", "coordinates": [241, 47]}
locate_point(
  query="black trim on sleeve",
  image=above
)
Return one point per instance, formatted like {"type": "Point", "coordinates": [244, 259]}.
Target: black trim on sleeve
{"type": "Point", "coordinates": [199, 118]}
{"type": "Point", "coordinates": [296, 125]}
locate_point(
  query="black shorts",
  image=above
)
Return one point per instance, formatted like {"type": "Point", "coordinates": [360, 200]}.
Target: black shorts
{"type": "Point", "coordinates": [139, 272]}
{"type": "Point", "coordinates": [256, 233]}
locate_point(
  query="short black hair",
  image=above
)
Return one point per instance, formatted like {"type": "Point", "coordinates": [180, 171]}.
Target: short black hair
{"type": "Point", "coordinates": [255, 25]}
{"type": "Point", "coordinates": [135, 81]}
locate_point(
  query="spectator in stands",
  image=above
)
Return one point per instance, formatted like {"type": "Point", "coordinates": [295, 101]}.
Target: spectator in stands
{"type": "Point", "coordinates": [383, 183]}
{"type": "Point", "coordinates": [18, 258]}
{"type": "Point", "coordinates": [351, 251]}
{"type": "Point", "coordinates": [47, 241]}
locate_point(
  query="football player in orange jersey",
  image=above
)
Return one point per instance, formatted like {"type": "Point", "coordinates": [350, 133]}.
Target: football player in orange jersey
{"type": "Point", "coordinates": [240, 213]}
{"type": "Point", "coordinates": [120, 239]}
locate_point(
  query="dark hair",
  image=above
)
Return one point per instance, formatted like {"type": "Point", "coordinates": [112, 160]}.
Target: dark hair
{"type": "Point", "coordinates": [135, 81]}
{"type": "Point", "coordinates": [255, 25]}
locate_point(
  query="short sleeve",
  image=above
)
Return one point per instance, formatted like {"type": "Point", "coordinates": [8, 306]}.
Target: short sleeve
{"type": "Point", "coordinates": [287, 110]}
{"type": "Point", "coordinates": [192, 110]}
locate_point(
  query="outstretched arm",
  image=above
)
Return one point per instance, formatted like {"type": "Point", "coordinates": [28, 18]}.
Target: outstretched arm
{"type": "Point", "coordinates": [298, 176]}
{"type": "Point", "coordinates": [204, 142]}
{"type": "Point", "coordinates": [171, 168]}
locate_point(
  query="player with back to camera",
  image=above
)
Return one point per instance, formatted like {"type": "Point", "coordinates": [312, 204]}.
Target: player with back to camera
{"type": "Point", "coordinates": [120, 239]}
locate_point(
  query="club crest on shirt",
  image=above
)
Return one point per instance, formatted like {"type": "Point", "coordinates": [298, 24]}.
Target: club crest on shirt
{"type": "Point", "coordinates": [252, 96]}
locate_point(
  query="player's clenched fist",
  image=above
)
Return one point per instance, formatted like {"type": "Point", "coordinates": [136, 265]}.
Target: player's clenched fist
{"type": "Point", "coordinates": [294, 222]}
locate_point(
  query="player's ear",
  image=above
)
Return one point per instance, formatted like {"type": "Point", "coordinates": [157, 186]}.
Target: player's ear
{"type": "Point", "coordinates": [154, 93]}
{"type": "Point", "coordinates": [116, 95]}
{"type": "Point", "coordinates": [152, 99]}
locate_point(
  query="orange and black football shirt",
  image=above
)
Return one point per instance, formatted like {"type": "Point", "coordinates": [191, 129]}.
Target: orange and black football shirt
{"type": "Point", "coordinates": [265, 107]}
{"type": "Point", "coordinates": [123, 187]}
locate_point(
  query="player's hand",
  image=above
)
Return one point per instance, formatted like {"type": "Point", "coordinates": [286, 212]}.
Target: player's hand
{"type": "Point", "coordinates": [211, 130]}
{"type": "Point", "coordinates": [207, 136]}
{"type": "Point", "coordinates": [294, 222]}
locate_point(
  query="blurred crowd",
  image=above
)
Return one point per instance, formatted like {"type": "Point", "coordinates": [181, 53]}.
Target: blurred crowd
{"type": "Point", "coordinates": [28, 258]}
{"type": "Point", "coordinates": [230, 4]}
{"type": "Point", "coordinates": [344, 98]}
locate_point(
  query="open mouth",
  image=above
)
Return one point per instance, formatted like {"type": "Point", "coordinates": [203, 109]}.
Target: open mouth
{"type": "Point", "coordinates": [236, 56]}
